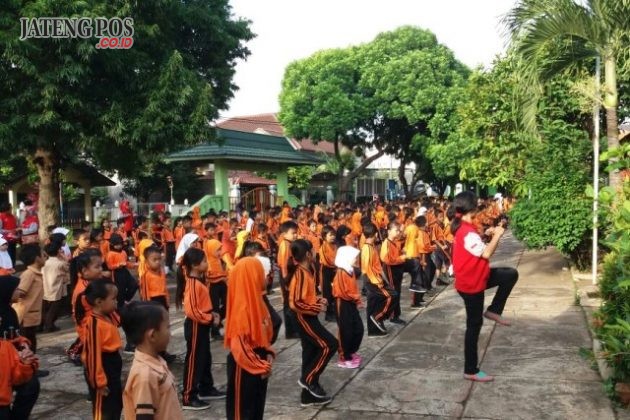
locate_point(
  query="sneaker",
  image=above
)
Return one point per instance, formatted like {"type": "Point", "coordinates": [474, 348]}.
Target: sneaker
{"type": "Point", "coordinates": [213, 394]}
{"type": "Point", "coordinates": [217, 337]}
{"type": "Point", "coordinates": [442, 282]}
{"type": "Point", "coordinates": [419, 304]}
{"type": "Point", "coordinates": [497, 318]}
{"type": "Point", "coordinates": [348, 364]}
{"type": "Point", "coordinates": [308, 400]}
{"type": "Point", "coordinates": [330, 318]}
{"type": "Point", "coordinates": [52, 329]}
{"type": "Point", "coordinates": [195, 405]}
{"type": "Point", "coordinates": [357, 356]}
{"type": "Point", "coordinates": [417, 289]}
{"type": "Point", "coordinates": [129, 349]}
{"type": "Point", "coordinates": [379, 324]}
{"type": "Point", "coordinates": [41, 373]}
{"type": "Point", "coordinates": [397, 321]}
{"type": "Point", "coordinates": [479, 377]}
{"type": "Point", "coordinates": [377, 334]}
{"type": "Point", "coordinates": [314, 389]}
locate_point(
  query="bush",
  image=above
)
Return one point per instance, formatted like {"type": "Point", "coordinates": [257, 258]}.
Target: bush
{"type": "Point", "coordinates": [613, 325]}
{"type": "Point", "coordinates": [558, 213]}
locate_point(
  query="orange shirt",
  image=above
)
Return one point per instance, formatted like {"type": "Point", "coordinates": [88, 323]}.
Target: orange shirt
{"type": "Point", "coordinates": [153, 284]}
{"type": "Point", "coordinates": [371, 265]}
{"type": "Point", "coordinates": [315, 240]}
{"type": "Point", "coordinates": [390, 253]}
{"type": "Point", "coordinates": [197, 304]}
{"type": "Point", "coordinates": [345, 286]}
{"type": "Point", "coordinates": [115, 259]}
{"type": "Point", "coordinates": [101, 336]}
{"type": "Point", "coordinates": [327, 254]}
{"type": "Point", "coordinates": [167, 234]}
{"type": "Point", "coordinates": [178, 233]}
{"type": "Point", "coordinates": [284, 253]}
{"type": "Point", "coordinates": [411, 238]}
{"type": "Point", "coordinates": [424, 242]}
{"type": "Point", "coordinates": [12, 372]}
{"type": "Point", "coordinates": [302, 293]}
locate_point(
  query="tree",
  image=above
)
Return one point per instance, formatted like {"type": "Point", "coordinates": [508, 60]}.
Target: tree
{"type": "Point", "coordinates": [63, 99]}
{"type": "Point", "coordinates": [568, 34]}
{"type": "Point", "coordinates": [380, 96]}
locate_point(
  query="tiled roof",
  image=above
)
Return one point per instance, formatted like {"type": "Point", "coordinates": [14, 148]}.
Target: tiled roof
{"type": "Point", "coordinates": [261, 123]}
{"type": "Point", "coordinates": [243, 146]}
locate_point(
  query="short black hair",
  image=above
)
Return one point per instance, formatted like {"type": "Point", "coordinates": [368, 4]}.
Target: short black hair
{"type": "Point", "coordinates": [153, 249]}
{"type": "Point", "coordinates": [29, 253]}
{"type": "Point", "coordinates": [52, 249]}
{"type": "Point", "coordinates": [140, 316]}
{"type": "Point", "coordinates": [115, 239]}
{"type": "Point", "coordinates": [370, 230]}
{"type": "Point", "coordinates": [288, 225]}
{"type": "Point", "coordinates": [252, 248]}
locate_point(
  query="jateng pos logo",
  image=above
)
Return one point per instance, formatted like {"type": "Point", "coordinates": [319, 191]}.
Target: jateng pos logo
{"type": "Point", "coordinates": [113, 33]}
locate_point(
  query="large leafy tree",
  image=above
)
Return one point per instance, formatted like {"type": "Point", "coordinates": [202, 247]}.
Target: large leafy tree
{"type": "Point", "coordinates": [557, 35]}
{"type": "Point", "coordinates": [63, 99]}
{"type": "Point", "coordinates": [380, 95]}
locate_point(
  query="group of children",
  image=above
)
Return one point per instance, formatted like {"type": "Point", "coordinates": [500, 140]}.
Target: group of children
{"type": "Point", "coordinates": [326, 259]}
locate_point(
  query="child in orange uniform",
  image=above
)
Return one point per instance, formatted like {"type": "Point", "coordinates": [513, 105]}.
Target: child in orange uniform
{"type": "Point", "coordinates": [328, 270]}
{"type": "Point", "coordinates": [347, 303]}
{"type": "Point", "coordinates": [193, 293]}
{"type": "Point", "coordinates": [288, 234]}
{"type": "Point", "coordinates": [101, 350]}
{"type": "Point", "coordinates": [379, 297]}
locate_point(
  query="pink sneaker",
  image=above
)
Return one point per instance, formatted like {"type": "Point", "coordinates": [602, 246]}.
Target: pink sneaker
{"type": "Point", "coordinates": [347, 364]}
{"type": "Point", "coordinates": [357, 356]}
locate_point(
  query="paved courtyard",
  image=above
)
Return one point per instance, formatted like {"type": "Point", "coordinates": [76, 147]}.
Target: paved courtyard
{"type": "Point", "coordinates": [416, 371]}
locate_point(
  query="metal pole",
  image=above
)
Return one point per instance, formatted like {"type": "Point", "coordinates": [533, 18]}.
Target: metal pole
{"type": "Point", "coordinates": [596, 123]}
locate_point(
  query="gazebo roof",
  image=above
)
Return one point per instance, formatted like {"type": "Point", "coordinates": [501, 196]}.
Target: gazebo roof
{"type": "Point", "coordinates": [250, 147]}
{"type": "Point", "coordinates": [79, 169]}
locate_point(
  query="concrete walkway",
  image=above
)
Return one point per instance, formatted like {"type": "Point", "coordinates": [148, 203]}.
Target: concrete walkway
{"type": "Point", "coordinates": [416, 371]}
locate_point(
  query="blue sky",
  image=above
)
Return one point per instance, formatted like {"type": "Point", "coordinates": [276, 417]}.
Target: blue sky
{"type": "Point", "coordinates": [288, 30]}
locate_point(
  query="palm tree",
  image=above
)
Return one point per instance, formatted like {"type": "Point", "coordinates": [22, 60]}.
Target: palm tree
{"type": "Point", "coordinates": [570, 34]}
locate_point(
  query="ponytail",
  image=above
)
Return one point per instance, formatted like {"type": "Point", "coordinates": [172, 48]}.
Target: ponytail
{"type": "Point", "coordinates": [464, 203]}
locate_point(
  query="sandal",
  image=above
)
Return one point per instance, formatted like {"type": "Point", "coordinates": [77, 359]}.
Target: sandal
{"type": "Point", "coordinates": [479, 377]}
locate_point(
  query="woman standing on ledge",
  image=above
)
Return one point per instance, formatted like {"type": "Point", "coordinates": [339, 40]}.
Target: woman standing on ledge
{"type": "Point", "coordinates": [473, 276]}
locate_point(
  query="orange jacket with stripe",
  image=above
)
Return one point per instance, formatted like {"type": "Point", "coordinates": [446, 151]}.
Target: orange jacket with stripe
{"type": "Point", "coordinates": [115, 260]}
{"type": "Point", "coordinates": [315, 240]}
{"type": "Point", "coordinates": [101, 336]}
{"type": "Point", "coordinates": [371, 265]}
{"type": "Point", "coordinates": [167, 235]}
{"type": "Point", "coordinates": [424, 242]}
{"type": "Point", "coordinates": [12, 372]}
{"type": "Point", "coordinates": [197, 303]}
{"type": "Point", "coordinates": [345, 286]}
{"type": "Point", "coordinates": [302, 294]}
{"type": "Point", "coordinates": [284, 253]}
{"type": "Point", "coordinates": [390, 253]}
{"type": "Point", "coordinates": [327, 254]}
{"type": "Point", "coordinates": [437, 232]}
{"type": "Point", "coordinates": [153, 284]}
{"type": "Point", "coordinates": [411, 240]}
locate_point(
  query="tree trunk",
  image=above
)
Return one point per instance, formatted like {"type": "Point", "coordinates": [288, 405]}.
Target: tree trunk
{"type": "Point", "coordinates": [403, 180]}
{"type": "Point", "coordinates": [611, 102]}
{"type": "Point", "coordinates": [47, 166]}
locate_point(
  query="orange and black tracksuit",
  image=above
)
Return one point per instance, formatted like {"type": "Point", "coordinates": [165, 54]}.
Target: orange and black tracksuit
{"type": "Point", "coordinates": [347, 297]}
{"type": "Point", "coordinates": [103, 365]}
{"type": "Point", "coordinates": [168, 240]}
{"type": "Point", "coordinates": [395, 265]}
{"type": "Point", "coordinates": [379, 299]}
{"type": "Point", "coordinates": [198, 311]}
{"type": "Point", "coordinates": [424, 250]}
{"type": "Point", "coordinates": [318, 344]}
{"type": "Point", "coordinates": [284, 255]}
{"type": "Point", "coordinates": [13, 373]}
{"type": "Point", "coordinates": [127, 285]}
{"type": "Point", "coordinates": [327, 273]}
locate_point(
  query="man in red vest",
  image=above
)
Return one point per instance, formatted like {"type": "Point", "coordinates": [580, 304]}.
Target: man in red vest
{"type": "Point", "coordinates": [9, 228]}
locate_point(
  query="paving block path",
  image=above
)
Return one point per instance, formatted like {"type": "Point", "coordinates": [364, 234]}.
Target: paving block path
{"type": "Point", "coordinates": [416, 371]}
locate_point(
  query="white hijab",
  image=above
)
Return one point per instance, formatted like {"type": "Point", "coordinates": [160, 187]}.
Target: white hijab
{"type": "Point", "coordinates": [266, 263]}
{"type": "Point", "coordinates": [66, 248]}
{"type": "Point", "coordinates": [186, 242]}
{"type": "Point", "coordinates": [5, 258]}
{"type": "Point", "coordinates": [345, 258]}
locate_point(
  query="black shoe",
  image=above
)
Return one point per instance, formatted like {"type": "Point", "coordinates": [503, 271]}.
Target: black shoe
{"type": "Point", "coordinates": [308, 400]}
{"type": "Point", "coordinates": [330, 318]}
{"type": "Point", "coordinates": [418, 305]}
{"type": "Point", "coordinates": [441, 282]}
{"type": "Point", "coordinates": [129, 349]}
{"type": "Point", "coordinates": [41, 373]}
{"type": "Point", "coordinates": [214, 394]}
{"type": "Point", "coordinates": [379, 324]}
{"type": "Point", "coordinates": [417, 289]}
{"type": "Point", "coordinates": [314, 389]}
{"type": "Point", "coordinates": [270, 292]}
{"type": "Point", "coordinates": [293, 336]}
{"type": "Point", "coordinates": [195, 405]}
{"type": "Point", "coordinates": [377, 334]}
{"type": "Point", "coordinates": [217, 337]}
{"type": "Point", "coordinates": [397, 321]}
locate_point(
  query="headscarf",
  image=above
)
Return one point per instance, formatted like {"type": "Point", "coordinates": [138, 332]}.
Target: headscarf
{"type": "Point", "coordinates": [8, 316]}
{"type": "Point", "coordinates": [186, 242]}
{"type": "Point", "coordinates": [346, 257]}
{"type": "Point", "coordinates": [266, 262]}
{"type": "Point", "coordinates": [247, 314]}
{"type": "Point", "coordinates": [5, 258]}
{"type": "Point", "coordinates": [142, 264]}
{"type": "Point", "coordinates": [215, 269]}
{"type": "Point", "coordinates": [241, 237]}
